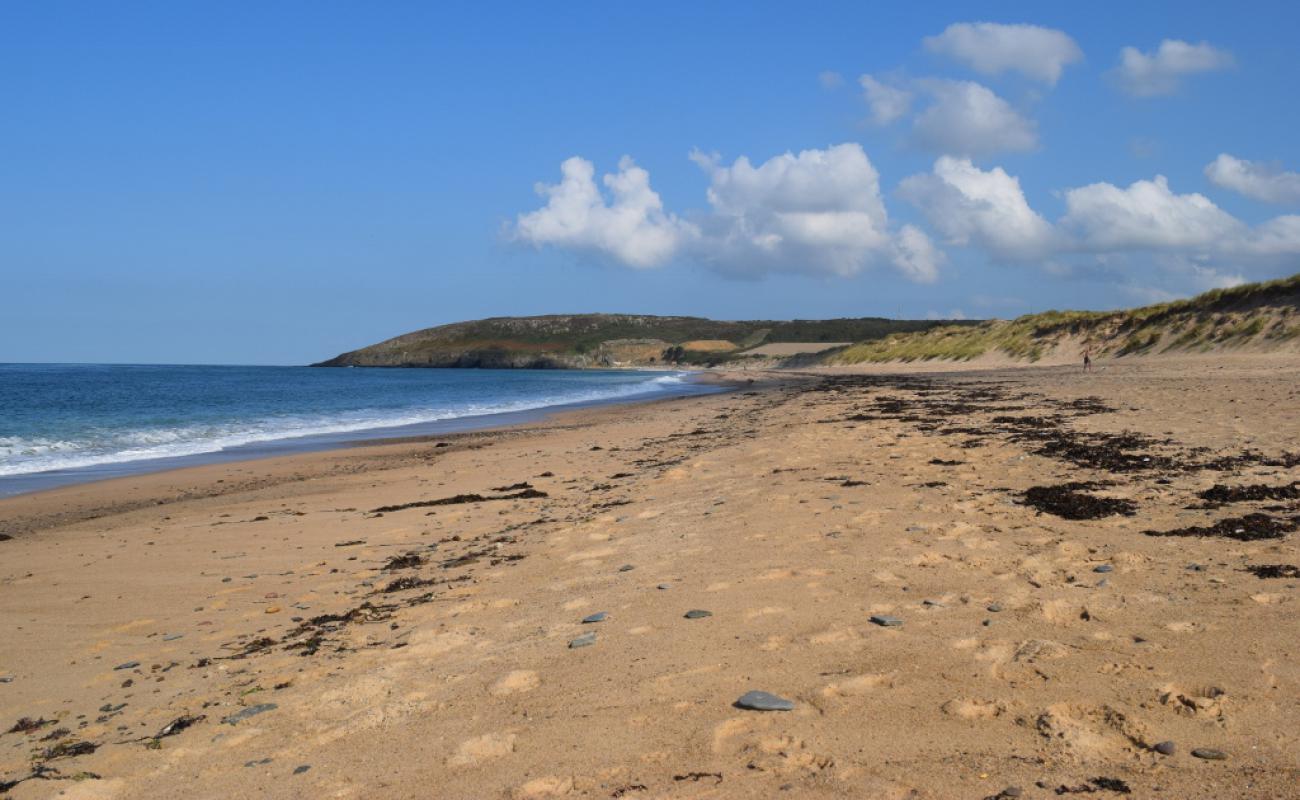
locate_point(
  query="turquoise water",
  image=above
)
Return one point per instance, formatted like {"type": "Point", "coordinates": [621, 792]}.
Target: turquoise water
{"type": "Point", "coordinates": [60, 423]}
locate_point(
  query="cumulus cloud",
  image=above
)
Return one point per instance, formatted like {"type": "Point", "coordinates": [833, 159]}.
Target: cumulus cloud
{"type": "Point", "coordinates": [968, 119]}
{"type": "Point", "coordinates": [1147, 214]}
{"type": "Point", "coordinates": [887, 103]}
{"type": "Point", "coordinates": [1109, 224]}
{"type": "Point", "coordinates": [992, 49]}
{"type": "Point", "coordinates": [985, 207]}
{"type": "Point", "coordinates": [1160, 72]}
{"type": "Point", "coordinates": [630, 227]}
{"type": "Point", "coordinates": [1259, 181]}
{"type": "Point", "coordinates": [817, 212]}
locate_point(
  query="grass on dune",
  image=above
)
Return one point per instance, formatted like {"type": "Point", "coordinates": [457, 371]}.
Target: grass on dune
{"type": "Point", "coordinates": [1259, 312]}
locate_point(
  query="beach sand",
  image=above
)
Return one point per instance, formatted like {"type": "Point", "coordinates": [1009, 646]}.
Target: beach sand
{"type": "Point", "coordinates": [311, 646]}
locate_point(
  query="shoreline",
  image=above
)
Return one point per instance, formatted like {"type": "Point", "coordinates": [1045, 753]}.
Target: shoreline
{"type": "Point", "coordinates": [375, 620]}
{"type": "Point", "coordinates": [27, 483]}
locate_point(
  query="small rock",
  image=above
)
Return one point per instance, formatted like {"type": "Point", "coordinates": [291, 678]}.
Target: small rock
{"type": "Point", "coordinates": [584, 640]}
{"type": "Point", "coordinates": [1165, 748]}
{"type": "Point", "coordinates": [762, 701]}
{"type": "Point", "coordinates": [995, 607]}
{"type": "Point", "coordinates": [1103, 568]}
{"type": "Point", "coordinates": [885, 621]}
{"type": "Point", "coordinates": [664, 586]}
{"type": "Point", "coordinates": [298, 770]}
{"type": "Point", "coordinates": [1011, 791]}
{"type": "Point", "coordinates": [251, 711]}
{"type": "Point", "coordinates": [698, 613]}
{"type": "Point", "coordinates": [626, 568]}
{"type": "Point", "coordinates": [599, 616]}
{"type": "Point", "coordinates": [6, 679]}
{"type": "Point", "coordinates": [1196, 567]}
{"type": "Point", "coordinates": [172, 637]}
{"type": "Point", "coordinates": [127, 665]}
{"type": "Point", "coordinates": [1210, 754]}
{"type": "Point", "coordinates": [273, 610]}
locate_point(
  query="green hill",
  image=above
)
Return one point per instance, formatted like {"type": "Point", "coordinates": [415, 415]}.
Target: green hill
{"type": "Point", "coordinates": [1254, 316]}
{"type": "Point", "coordinates": [600, 340]}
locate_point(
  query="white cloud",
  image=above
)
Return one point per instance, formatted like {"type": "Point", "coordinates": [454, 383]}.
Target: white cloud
{"type": "Point", "coordinates": [830, 79]}
{"type": "Point", "coordinates": [916, 256]}
{"type": "Point", "coordinates": [1149, 74]}
{"type": "Point", "coordinates": [969, 119]}
{"type": "Point", "coordinates": [887, 103]}
{"type": "Point", "coordinates": [1259, 181]}
{"type": "Point", "coordinates": [1105, 230]}
{"type": "Point", "coordinates": [991, 49]}
{"type": "Point", "coordinates": [819, 212]}
{"type": "Point", "coordinates": [632, 228]}
{"type": "Point", "coordinates": [1147, 214]}
{"type": "Point", "coordinates": [968, 205]}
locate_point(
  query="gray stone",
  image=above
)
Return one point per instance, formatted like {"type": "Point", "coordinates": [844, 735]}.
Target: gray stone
{"type": "Point", "coordinates": [995, 607]}
{"type": "Point", "coordinates": [932, 603]}
{"type": "Point", "coordinates": [127, 665]}
{"type": "Point", "coordinates": [7, 679]}
{"type": "Point", "coordinates": [599, 616]}
{"type": "Point", "coordinates": [762, 701]}
{"type": "Point", "coordinates": [298, 770]}
{"type": "Point", "coordinates": [1210, 754]}
{"type": "Point", "coordinates": [1165, 748]}
{"type": "Point", "coordinates": [664, 586]}
{"type": "Point", "coordinates": [1011, 791]}
{"type": "Point", "coordinates": [886, 621]}
{"type": "Point", "coordinates": [172, 637]}
{"type": "Point", "coordinates": [251, 711]}
{"type": "Point", "coordinates": [584, 640]}
{"type": "Point", "coordinates": [1103, 568]}
{"type": "Point", "coordinates": [626, 568]}
{"type": "Point", "coordinates": [698, 613]}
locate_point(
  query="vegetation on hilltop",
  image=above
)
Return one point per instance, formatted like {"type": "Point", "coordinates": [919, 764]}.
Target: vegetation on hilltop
{"type": "Point", "coordinates": [592, 340]}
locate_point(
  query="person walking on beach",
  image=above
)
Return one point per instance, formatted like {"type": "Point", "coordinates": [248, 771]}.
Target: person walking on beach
{"type": "Point", "coordinates": [1087, 361]}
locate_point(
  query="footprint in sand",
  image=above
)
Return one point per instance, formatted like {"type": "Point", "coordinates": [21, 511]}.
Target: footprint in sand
{"type": "Point", "coordinates": [473, 752]}
{"type": "Point", "coordinates": [857, 686]}
{"type": "Point", "coordinates": [967, 708]}
{"type": "Point", "coordinates": [538, 788]}
{"type": "Point", "coordinates": [521, 680]}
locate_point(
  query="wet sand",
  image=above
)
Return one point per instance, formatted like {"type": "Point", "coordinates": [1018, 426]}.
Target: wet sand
{"type": "Point", "coordinates": [1072, 590]}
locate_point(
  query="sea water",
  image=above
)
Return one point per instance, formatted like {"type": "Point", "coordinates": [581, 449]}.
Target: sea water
{"type": "Point", "coordinates": [66, 423]}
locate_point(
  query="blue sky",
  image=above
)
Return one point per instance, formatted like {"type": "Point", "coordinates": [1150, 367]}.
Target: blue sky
{"type": "Point", "coordinates": [275, 183]}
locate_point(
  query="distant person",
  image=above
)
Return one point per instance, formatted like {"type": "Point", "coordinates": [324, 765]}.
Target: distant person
{"type": "Point", "coordinates": [1087, 361]}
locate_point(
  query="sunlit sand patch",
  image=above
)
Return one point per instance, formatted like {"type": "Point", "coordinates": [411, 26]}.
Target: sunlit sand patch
{"type": "Point", "coordinates": [972, 708]}
{"type": "Point", "coordinates": [489, 746]}
{"type": "Point", "coordinates": [520, 680]}
{"type": "Point", "coordinates": [589, 555]}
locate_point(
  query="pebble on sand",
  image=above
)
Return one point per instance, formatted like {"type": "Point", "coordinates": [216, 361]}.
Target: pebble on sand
{"type": "Point", "coordinates": [995, 607]}
{"type": "Point", "coordinates": [300, 769]}
{"type": "Point", "coordinates": [584, 640]}
{"type": "Point", "coordinates": [127, 665]}
{"type": "Point", "coordinates": [1210, 754]}
{"type": "Point", "coordinates": [698, 613]}
{"type": "Point", "coordinates": [886, 621]}
{"type": "Point", "coordinates": [626, 568]}
{"type": "Point", "coordinates": [762, 701]}
{"type": "Point", "coordinates": [599, 616]}
{"type": "Point", "coordinates": [1165, 748]}
{"type": "Point", "coordinates": [664, 586]}
{"type": "Point", "coordinates": [1103, 568]}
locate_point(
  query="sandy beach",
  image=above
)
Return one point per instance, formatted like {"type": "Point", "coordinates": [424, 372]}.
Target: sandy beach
{"type": "Point", "coordinates": [999, 583]}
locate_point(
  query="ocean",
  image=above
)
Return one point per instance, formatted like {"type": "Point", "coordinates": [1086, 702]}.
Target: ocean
{"type": "Point", "coordinates": [69, 423]}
